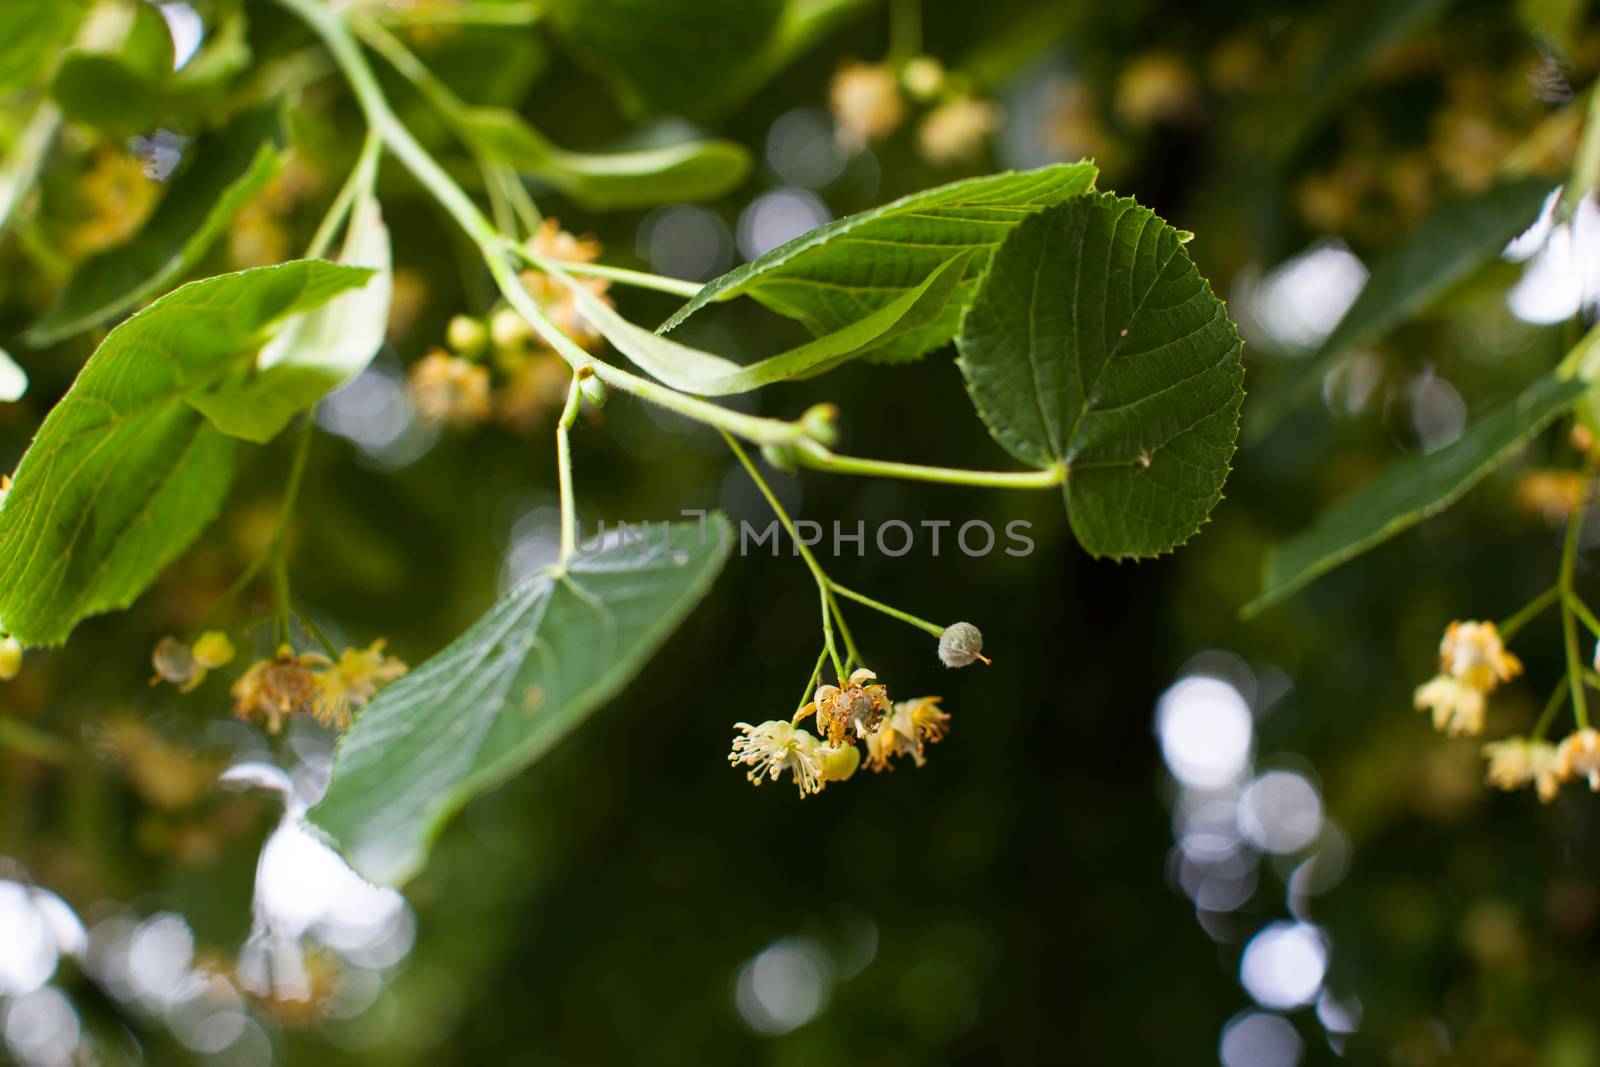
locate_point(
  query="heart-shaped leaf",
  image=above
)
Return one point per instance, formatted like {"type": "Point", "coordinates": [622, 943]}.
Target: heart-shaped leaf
{"type": "Point", "coordinates": [502, 694]}
{"type": "Point", "coordinates": [124, 472]}
{"type": "Point", "coordinates": [835, 275]}
{"type": "Point", "coordinates": [1095, 345]}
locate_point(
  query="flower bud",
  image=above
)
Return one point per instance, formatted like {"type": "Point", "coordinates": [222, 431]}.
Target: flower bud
{"type": "Point", "coordinates": [174, 662]}
{"type": "Point", "coordinates": [10, 659]}
{"type": "Point", "coordinates": [960, 645]}
{"type": "Point", "coordinates": [780, 457]}
{"type": "Point", "coordinates": [821, 423]}
{"type": "Point", "coordinates": [839, 762]}
{"type": "Point", "coordinates": [509, 329]}
{"type": "Point", "coordinates": [466, 334]}
{"type": "Point", "coordinates": [592, 388]}
{"type": "Point", "coordinates": [213, 650]}
{"type": "Point", "coordinates": [923, 78]}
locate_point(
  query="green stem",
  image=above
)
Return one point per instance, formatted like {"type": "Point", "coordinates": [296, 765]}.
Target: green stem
{"type": "Point", "coordinates": [1528, 612]}
{"type": "Point", "coordinates": [335, 35]}
{"type": "Point", "coordinates": [905, 29]}
{"type": "Point", "coordinates": [894, 613]}
{"type": "Point", "coordinates": [852, 653]}
{"type": "Point", "coordinates": [827, 632]}
{"type": "Point", "coordinates": [1569, 626]}
{"type": "Point", "coordinates": [811, 454]}
{"type": "Point", "coordinates": [813, 679]}
{"type": "Point", "coordinates": [637, 278]}
{"type": "Point", "coordinates": [360, 178]}
{"type": "Point", "coordinates": [316, 631]}
{"type": "Point", "coordinates": [1546, 716]}
{"type": "Point", "coordinates": [291, 489]}
{"type": "Point", "coordinates": [569, 511]}
{"type": "Point", "coordinates": [31, 741]}
{"type": "Point", "coordinates": [455, 13]}
{"type": "Point", "coordinates": [1584, 614]}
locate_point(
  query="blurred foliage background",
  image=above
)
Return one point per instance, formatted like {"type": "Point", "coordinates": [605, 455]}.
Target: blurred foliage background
{"type": "Point", "coordinates": [1286, 866]}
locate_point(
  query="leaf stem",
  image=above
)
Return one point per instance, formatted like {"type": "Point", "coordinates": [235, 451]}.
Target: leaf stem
{"type": "Point", "coordinates": [812, 680]}
{"type": "Point", "coordinates": [316, 632]}
{"type": "Point", "coordinates": [1585, 616]}
{"type": "Point", "coordinates": [812, 454]}
{"type": "Point", "coordinates": [569, 511]}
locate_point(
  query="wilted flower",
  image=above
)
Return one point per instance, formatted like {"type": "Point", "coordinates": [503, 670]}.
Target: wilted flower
{"type": "Point", "coordinates": [913, 725]}
{"type": "Point", "coordinates": [866, 101]}
{"type": "Point", "coordinates": [773, 747]}
{"type": "Point", "coordinates": [1519, 761]}
{"type": "Point", "coordinates": [449, 389]}
{"type": "Point", "coordinates": [851, 707]}
{"type": "Point", "coordinates": [960, 645]}
{"type": "Point", "coordinates": [276, 688]}
{"type": "Point", "coordinates": [354, 681]}
{"type": "Point", "coordinates": [956, 131]}
{"type": "Point", "coordinates": [1578, 756]}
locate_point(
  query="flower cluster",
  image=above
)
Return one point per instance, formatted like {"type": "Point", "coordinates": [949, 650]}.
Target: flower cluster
{"type": "Point", "coordinates": [1473, 662]}
{"type": "Point", "coordinates": [309, 683]}
{"type": "Point", "coordinates": [870, 101]}
{"type": "Point", "coordinates": [498, 367]}
{"type": "Point", "coordinates": [855, 710]}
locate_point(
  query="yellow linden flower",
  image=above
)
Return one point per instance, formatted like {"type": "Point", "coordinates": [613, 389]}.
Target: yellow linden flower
{"type": "Point", "coordinates": [1517, 762]}
{"type": "Point", "coordinates": [1473, 653]}
{"type": "Point", "coordinates": [866, 102]}
{"type": "Point", "coordinates": [1578, 756]}
{"type": "Point", "coordinates": [907, 732]}
{"type": "Point", "coordinates": [279, 687]}
{"type": "Point", "coordinates": [354, 681]}
{"type": "Point", "coordinates": [956, 131]}
{"type": "Point", "coordinates": [213, 649]}
{"type": "Point", "coordinates": [446, 388]}
{"type": "Point", "coordinates": [552, 242]}
{"type": "Point", "coordinates": [1457, 707]}
{"type": "Point", "coordinates": [1550, 494]}
{"type": "Point", "coordinates": [852, 706]}
{"type": "Point", "coordinates": [773, 747]}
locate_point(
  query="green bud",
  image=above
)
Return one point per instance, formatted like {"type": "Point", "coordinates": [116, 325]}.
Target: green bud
{"type": "Point", "coordinates": [821, 423]}
{"type": "Point", "coordinates": [839, 762]}
{"type": "Point", "coordinates": [465, 334]}
{"type": "Point", "coordinates": [10, 659]}
{"type": "Point", "coordinates": [960, 645]}
{"type": "Point", "coordinates": [593, 389]}
{"type": "Point", "coordinates": [780, 457]}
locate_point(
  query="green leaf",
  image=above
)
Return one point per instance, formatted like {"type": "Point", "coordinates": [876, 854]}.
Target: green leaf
{"type": "Point", "coordinates": [503, 693]}
{"type": "Point", "coordinates": [227, 171]}
{"type": "Point", "coordinates": [13, 379]}
{"type": "Point", "coordinates": [691, 370]}
{"type": "Point", "coordinates": [1450, 244]}
{"type": "Point", "coordinates": [122, 88]}
{"type": "Point", "coordinates": [1410, 490]}
{"type": "Point", "coordinates": [837, 274]}
{"type": "Point", "coordinates": [686, 57]}
{"type": "Point", "coordinates": [692, 170]}
{"type": "Point", "coordinates": [1095, 344]}
{"type": "Point", "coordinates": [124, 473]}
{"type": "Point", "coordinates": [32, 33]}
{"type": "Point", "coordinates": [318, 351]}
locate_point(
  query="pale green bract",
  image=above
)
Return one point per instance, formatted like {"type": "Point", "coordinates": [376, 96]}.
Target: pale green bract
{"type": "Point", "coordinates": [315, 352]}
{"type": "Point", "coordinates": [125, 472]}
{"type": "Point", "coordinates": [1095, 345]}
{"type": "Point", "coordinates": [551, 651]}
{"type": "Point", "coordinates": [838, 274]}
